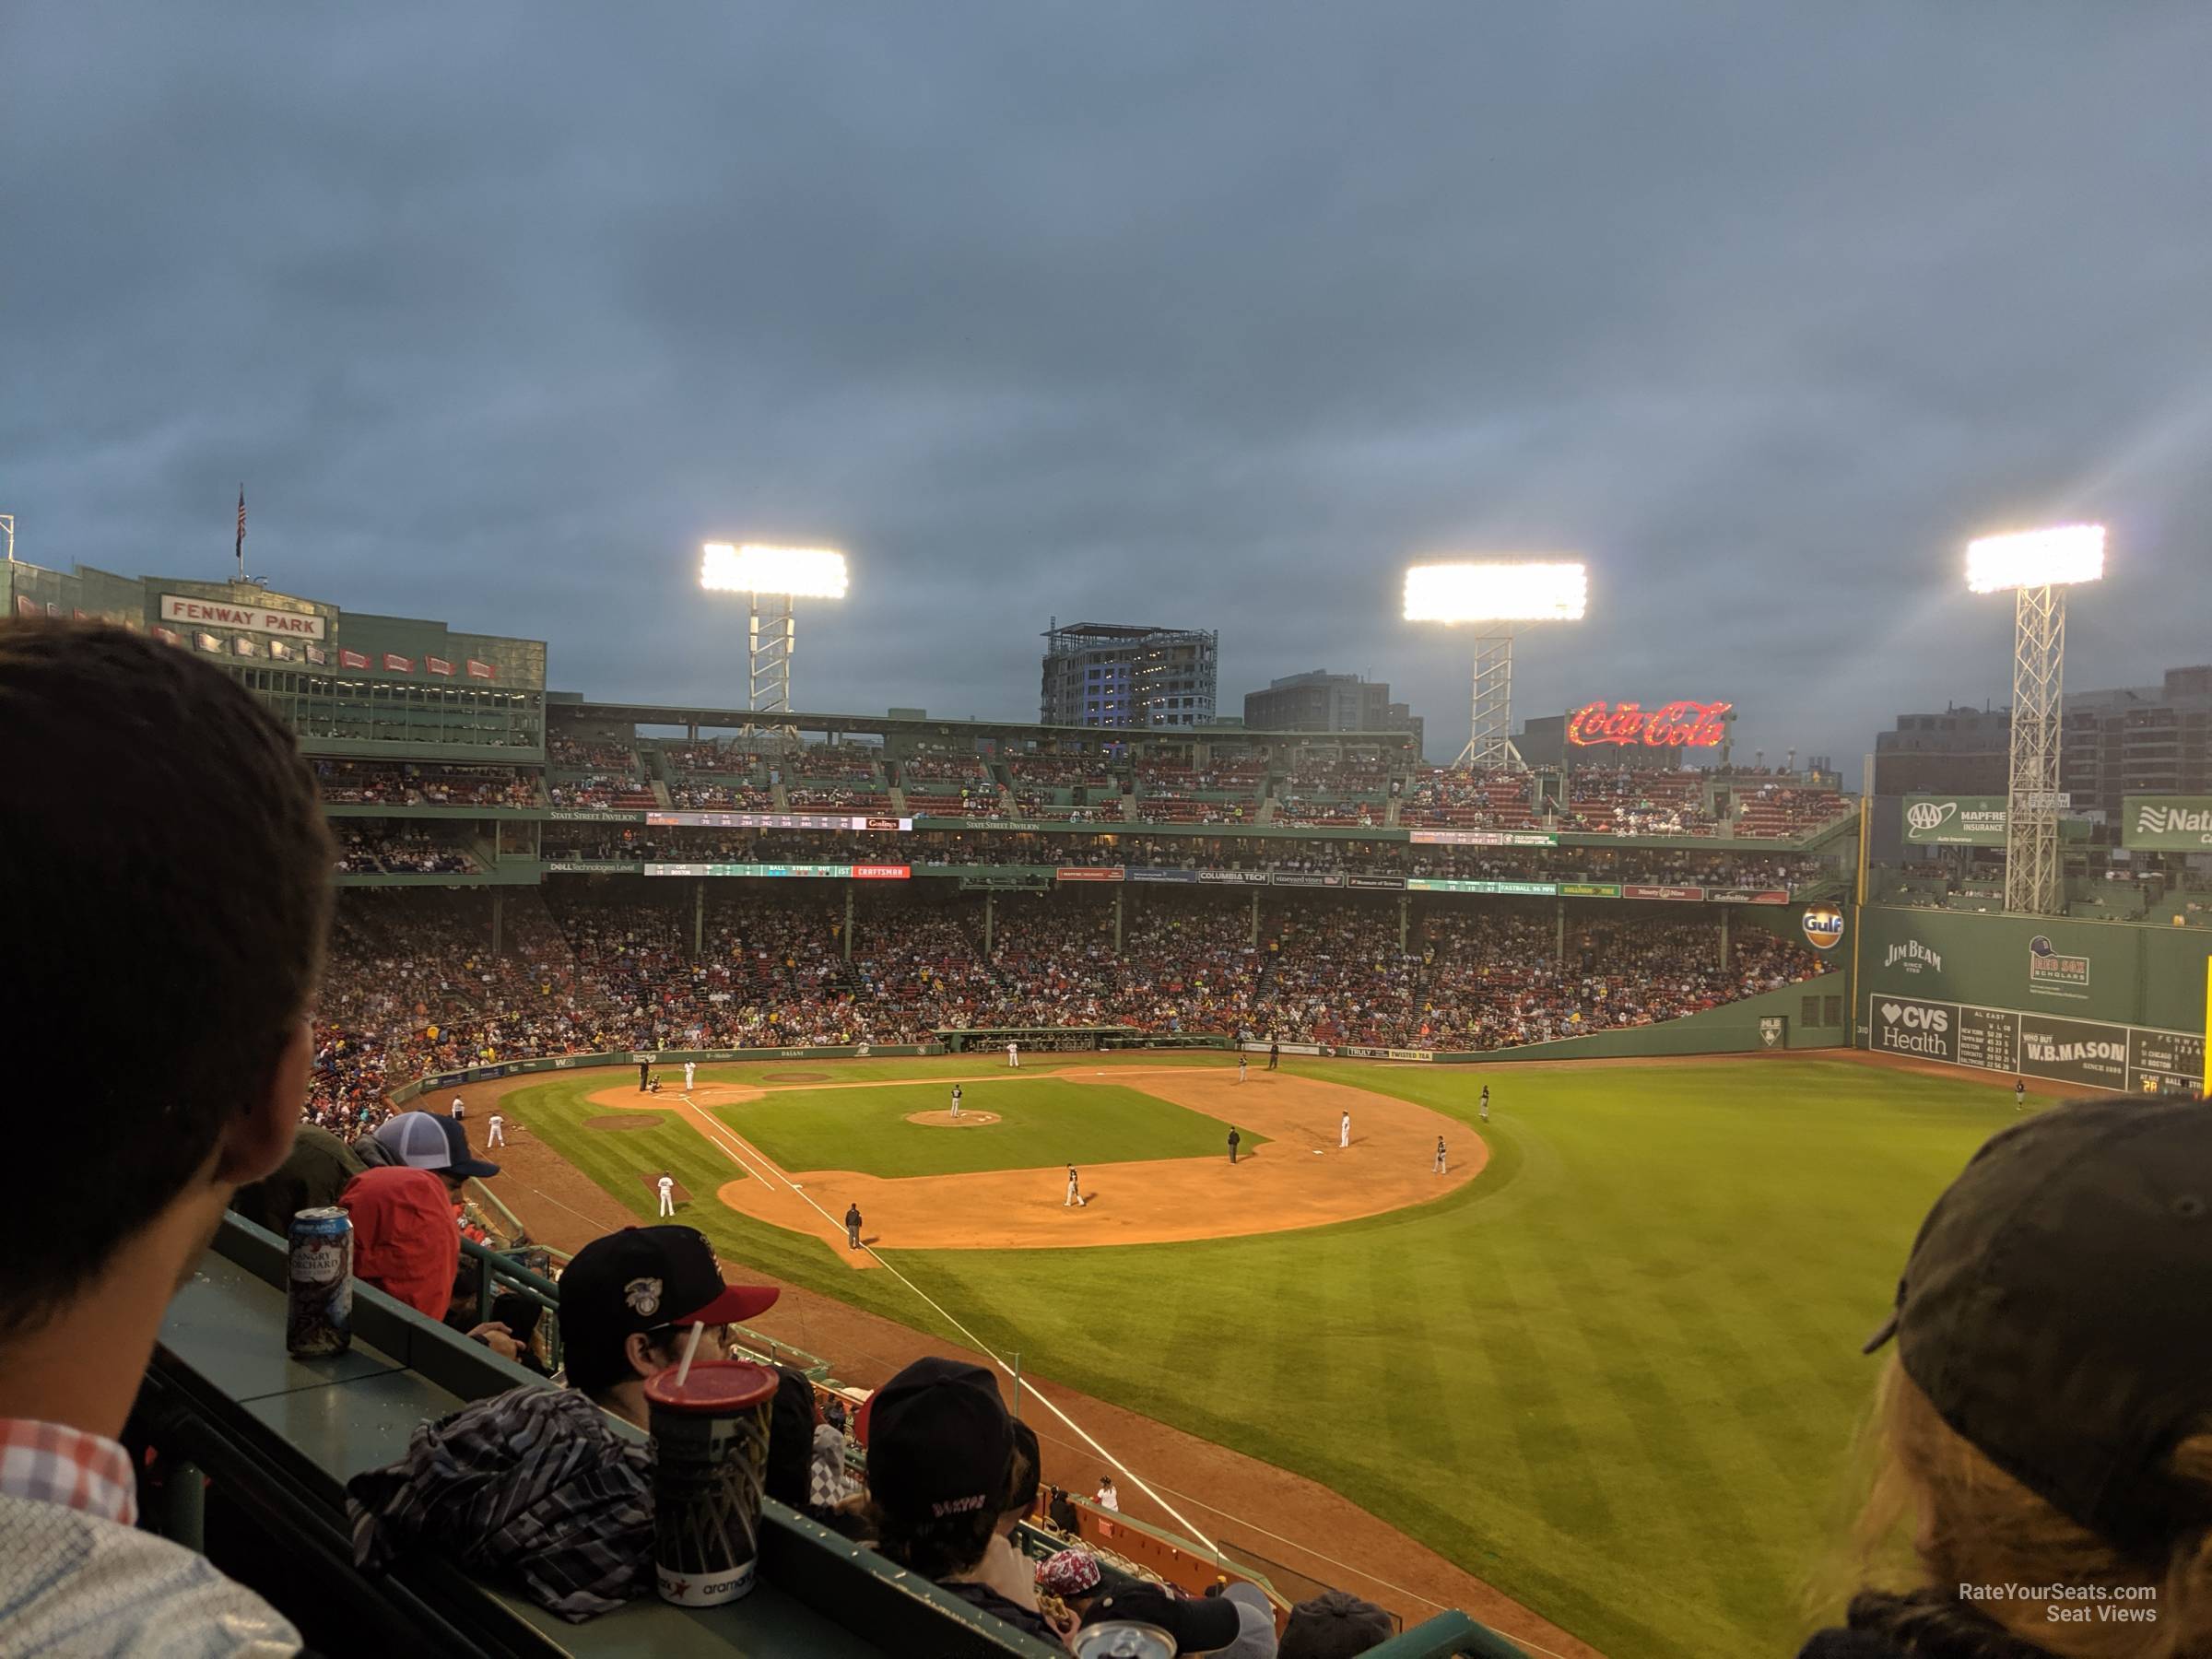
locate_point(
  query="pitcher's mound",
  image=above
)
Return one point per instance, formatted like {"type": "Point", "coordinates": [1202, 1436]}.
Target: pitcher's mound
{"type": "Point", "coordinates": [945, 1120]}
{"type": "Point", "coordinates": [635, 1119]}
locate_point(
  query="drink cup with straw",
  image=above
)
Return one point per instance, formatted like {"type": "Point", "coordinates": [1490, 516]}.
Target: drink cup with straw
{"type": "Point", "coordinates": [710, 1422]}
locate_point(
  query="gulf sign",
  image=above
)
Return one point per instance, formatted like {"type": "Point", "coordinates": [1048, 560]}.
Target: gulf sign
{"type": "Point", "coordinates": [1671, 725]}
{"type": "Point", "coordinates": [1823, 925]}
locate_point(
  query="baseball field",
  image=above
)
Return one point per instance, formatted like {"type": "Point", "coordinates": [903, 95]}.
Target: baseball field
{"type": "Point", "coordinates": [1607, 1362]}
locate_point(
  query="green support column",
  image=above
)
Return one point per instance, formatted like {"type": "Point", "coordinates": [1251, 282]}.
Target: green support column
{"type": "Point", "coordinates": [1726, 918]}
{"type": "Point", "coordinates": [1405, 921]}
{"type": "Point", "coordinates": [1255, 918]}
{"type": "Point", "coordinates": [1117, 921]}
{"type": "Point", "coordinates": [848, 921]}
{"type": "Point", "coordinates": [990, 915]}
{"type": "Point", "coordinates": [698, 918]}
{"type": "Point", "coordinates": [1560, 946]}
{"type": "Point", "coordinates": [499, 920]}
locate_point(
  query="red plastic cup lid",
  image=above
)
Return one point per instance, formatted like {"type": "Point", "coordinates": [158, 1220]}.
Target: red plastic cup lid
{"type": "Point", "coordinates": [715, 1387]}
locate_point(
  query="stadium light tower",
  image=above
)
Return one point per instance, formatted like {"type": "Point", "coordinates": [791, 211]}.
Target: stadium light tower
{"type": "Point", "coordinates": [775, 580]}
{"type": "Point", "coordinates": [1495, 594]}
{"type": "Point", "coordinates": [2039, 566]}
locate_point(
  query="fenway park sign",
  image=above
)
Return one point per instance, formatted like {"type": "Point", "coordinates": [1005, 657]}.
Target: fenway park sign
{"type": "Point", "coordinates": [1671, 725]}
{"type": "Point", "coordinates": [253, 618]}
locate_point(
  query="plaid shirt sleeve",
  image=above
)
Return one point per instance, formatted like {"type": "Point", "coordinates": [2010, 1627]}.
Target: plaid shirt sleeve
{"type": "Point", "coordinates": [48, 1463]}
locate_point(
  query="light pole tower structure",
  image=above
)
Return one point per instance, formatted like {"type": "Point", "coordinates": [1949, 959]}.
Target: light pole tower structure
{"type": "Point", "coordinates": [774, 580]}
{"type": "Point", "coordinates": [2038, 566]}
{"type": "Point", "coordinates": [1496, 596]}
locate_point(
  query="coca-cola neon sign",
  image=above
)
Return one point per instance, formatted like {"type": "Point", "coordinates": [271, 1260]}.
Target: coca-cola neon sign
{"type": "Point", "coordinates": [1672, 725]}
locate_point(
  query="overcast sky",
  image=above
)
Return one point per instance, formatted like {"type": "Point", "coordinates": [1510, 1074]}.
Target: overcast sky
{"type": "Point", "coordinates": [1195, 312]}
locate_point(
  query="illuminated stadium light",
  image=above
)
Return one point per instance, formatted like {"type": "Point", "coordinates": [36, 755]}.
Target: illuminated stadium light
{"type": "Point", "coordinates": [1499, 594]}
{"type": "Point", "coordinates": [1496, 591]}
{"type": "Point", "coordinates": [2036, 567]}
{"type": "Point", "coordinates": [803, 572]}
{"type": "Point", "coordinates": [2070, 553]}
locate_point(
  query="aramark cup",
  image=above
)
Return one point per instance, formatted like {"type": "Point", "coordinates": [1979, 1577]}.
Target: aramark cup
{"type": "Point", "coordinates": [710, 1443]}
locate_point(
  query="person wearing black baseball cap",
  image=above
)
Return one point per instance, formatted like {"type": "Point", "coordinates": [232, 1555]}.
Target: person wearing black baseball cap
{"type": "Point", "coordinates": [2046, 1413]}
{"type": "Point", "coordinates": [627, 1302]}
{"type": "Point", "coordinates": [942, 1469]}
{"type": "Point", "coordinates": [1201, 1626]}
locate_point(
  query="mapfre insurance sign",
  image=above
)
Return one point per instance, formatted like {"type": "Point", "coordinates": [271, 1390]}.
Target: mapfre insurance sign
{"type": "Point", "coordinates": [253, 618]}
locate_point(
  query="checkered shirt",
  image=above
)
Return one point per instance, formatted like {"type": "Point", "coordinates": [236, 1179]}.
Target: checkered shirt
{"type": "Point", "coordinates": [50, 1464]}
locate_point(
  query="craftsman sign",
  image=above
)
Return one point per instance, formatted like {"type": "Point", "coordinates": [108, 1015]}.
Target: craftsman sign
{"type": "Point", "coordinates": [1671, 725]}
{"type": "Point", "coordinates": [253, 618]}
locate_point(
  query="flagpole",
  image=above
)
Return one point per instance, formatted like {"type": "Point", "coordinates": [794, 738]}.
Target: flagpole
{"type": "Point", "coordinates": [240, 548]}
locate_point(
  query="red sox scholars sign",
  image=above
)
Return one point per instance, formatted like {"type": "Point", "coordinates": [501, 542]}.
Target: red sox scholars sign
{"type": "Point", "coordinates": [253, 618]}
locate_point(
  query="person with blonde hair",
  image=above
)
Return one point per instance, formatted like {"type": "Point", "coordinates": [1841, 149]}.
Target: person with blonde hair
{"type": "Point", "coordinates": [2044, 1424]}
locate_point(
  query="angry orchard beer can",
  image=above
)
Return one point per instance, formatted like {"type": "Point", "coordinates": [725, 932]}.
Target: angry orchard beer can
{"type": "Point", "coordinates": [318, 1314]}
{"type": "Point", "coordinates": [1123, 1640]}
{"type": "Point", "coordinates": [710, 1463]}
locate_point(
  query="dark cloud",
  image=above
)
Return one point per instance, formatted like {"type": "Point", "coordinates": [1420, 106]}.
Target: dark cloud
{"type": "Point", "coordinates": [1209, 315]}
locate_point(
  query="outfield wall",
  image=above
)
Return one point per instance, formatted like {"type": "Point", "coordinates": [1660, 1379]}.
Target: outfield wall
{"type": "Point", "coordinates": [2091, 1004]}
{"type": "Point", "coordinates": [1809, 1015]}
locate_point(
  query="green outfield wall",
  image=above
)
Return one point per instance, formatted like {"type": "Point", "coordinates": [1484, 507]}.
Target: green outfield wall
{"type": "Point", "coordinates": [2091, 1004]}
{"type": "Point", "coordinates": [1809, 1015]}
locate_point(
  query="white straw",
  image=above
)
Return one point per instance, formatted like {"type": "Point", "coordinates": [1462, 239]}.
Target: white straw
{"type": "Point", "coordinates": [690, 1353]}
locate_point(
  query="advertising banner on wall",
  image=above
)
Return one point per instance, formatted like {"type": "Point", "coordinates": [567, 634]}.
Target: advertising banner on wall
{"type": "Point", "coordinates": [1530, 890]}
{"type": "Point", "coordinates": [2167, 823]}
{"type": "Point", "coordinates": [1933, 820]}
{"type": "Point", "coordinates": [2078, 1053]}
{"type": "Point", "coordinates": [1482, 837]}
{"type": "Point", "coordinates": [773, 821]}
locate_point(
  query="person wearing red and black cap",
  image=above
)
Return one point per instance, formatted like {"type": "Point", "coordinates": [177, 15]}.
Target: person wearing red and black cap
{"type": "Point", "coordinates": [628, 1301]}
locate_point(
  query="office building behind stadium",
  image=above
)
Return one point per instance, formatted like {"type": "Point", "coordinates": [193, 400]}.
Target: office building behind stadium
{"type": "Point", "coordinates": [1120, 674]}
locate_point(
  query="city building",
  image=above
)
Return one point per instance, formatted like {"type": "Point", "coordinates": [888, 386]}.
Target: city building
{"type": "Point", "coordinates": [1118, 674]}
{"type": "Point", "coordinates": [1321, 702]}
{"type": "Point", "coordinates": [2131, 740]}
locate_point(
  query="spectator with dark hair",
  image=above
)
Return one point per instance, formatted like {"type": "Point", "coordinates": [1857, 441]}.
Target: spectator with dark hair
{"type": "Point", "coordinates": [200, 1028]}
{"type": "Point", "coordinates": [2046, 1420]}
{"type": "Point", "coordinates": [1334, 1625]}
{"type": "Point", "coordinates": [1196, 1625]}
{"type": "Point", "coordinates": [312, 1177]}
{"type": "Point", "coordinates": [941, 1471]}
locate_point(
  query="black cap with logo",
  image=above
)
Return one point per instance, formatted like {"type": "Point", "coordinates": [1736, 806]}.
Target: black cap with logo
{"type": "Point", "coordinates": [645, 1277]}
{"type": "Point", "coordinates": [939, 1441]}
{"type": "Point", "coordinates": [2053, 1310]}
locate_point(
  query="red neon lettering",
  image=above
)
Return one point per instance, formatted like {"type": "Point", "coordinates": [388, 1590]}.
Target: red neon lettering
{"type": "Point", "coordinates": [1673, 725]}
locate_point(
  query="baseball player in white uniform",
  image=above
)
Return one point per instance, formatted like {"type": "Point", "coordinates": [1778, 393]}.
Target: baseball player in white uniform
{"type": "Point", "coordinates": [667, 1186]}
{"type": "Point", "coordinates": [495, 1133]}
{"type": "Point", "coordinates": [1014, 1055]}
{"type": "Point", "coordinates": [1074, 1195]}
{"type": "Point", "coordinates": [691, 1071]}
{"type": "Point", "coordinates": [1344, 1131]}
{"type": "Point", "coordinates": [1440, 1155]}
{"type": "Point", "coordinates": [459, 1109]}
{"type": "Point", "coordinates": [1242, 1063]}
{"type": "Point", "coordinates": [956, 1102]}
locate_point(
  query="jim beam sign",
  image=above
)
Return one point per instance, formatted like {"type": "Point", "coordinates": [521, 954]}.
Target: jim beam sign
{"type": "Point", "coordinates": [2167, 823]}
{"type": "Point", "coordinates": [251, 619]}
{"type": "Point", "coordinates": [2079, 1053]}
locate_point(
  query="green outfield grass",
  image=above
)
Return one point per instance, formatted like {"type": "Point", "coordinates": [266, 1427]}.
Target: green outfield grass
{"type": "Point", "coordinates": [1043, 1122]}
{"type": "Point", "coordinates": [1616, 1376]}
{"type": "Point", "coordinates": [615, 1157]}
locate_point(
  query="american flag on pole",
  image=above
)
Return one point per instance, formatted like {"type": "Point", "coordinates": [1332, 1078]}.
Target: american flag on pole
{"type": "Point", "coordinates": [242, 529]}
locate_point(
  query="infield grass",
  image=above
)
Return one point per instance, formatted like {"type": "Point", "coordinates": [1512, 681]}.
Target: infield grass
{"type": "Point", "coordinates": [1616, 1376]}
{"type": "Point", "coordinates": [1043, 1122]}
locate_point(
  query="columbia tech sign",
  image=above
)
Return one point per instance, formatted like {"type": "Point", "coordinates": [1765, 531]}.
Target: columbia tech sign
{"type": "Point", "coordinates": [2082, 1054]}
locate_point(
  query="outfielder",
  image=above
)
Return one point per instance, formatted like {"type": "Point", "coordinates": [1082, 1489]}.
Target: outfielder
{"type": "Point", "coordinates": [1344, 1131]}
{"type": "Point", "coordinates": [1440, 1155]}
{"type": "Point", "coordinates": [956, 1102]}
{"type": "Point", "coordinates": [667, 1186]}
{"type": "Point", "coordinates": [691, 1071]}
{"type": "Point", "coordinates": [1485, 1102]}
{"type": "Point", "coordinates": [1074, 1195]}
{"type": "Point", "coordinates": [2019, 1093]}
{"type": "Point", "coordinates": [495, 1133]}
{"type": "Point", "coordinates": [1014, 1055]}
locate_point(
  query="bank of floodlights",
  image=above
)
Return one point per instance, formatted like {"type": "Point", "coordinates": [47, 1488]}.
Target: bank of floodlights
{"type": "Point", "coordinates": [2039, 566]}
{"type": "Point", "coordinates": [1498, 596]}
{"type": "Point", "coordinates": [775, 578]}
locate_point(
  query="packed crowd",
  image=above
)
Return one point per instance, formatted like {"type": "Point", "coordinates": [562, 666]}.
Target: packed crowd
{"type": "Point", "coordinates": [367, 847]}
{"type": "Point", "coordinates": [692, 796]}
{"type": "Point", "coordinates": [590, 754]}
{"type": "Point", "coordinates": [409, 783]}
{"type": "Point", "coordinates": [414, 988]}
